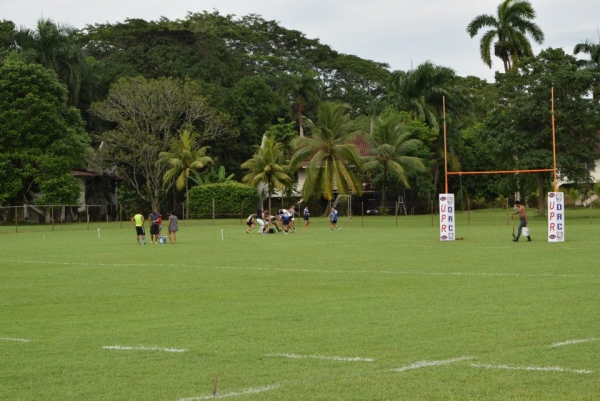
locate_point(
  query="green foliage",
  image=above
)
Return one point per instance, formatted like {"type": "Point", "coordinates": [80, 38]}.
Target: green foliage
{"type": "Point", "coordinates": [266, 167]}
{"type": "Point", "coordinates": [282, 133]}
{"type": "Point", "coordinates": [42, 138]}
{"type": "Point", "coordinates": [54, 46]}
{"type": "Point", "coordinates": [147, 114]}
{"type": "Point", "coordinates": [333, 157]}
{"type": "Point", "coordinates": [211, 176]}
{"type": "Point", "coordinates": [509, 27]}
{"type": "Point", "coordinates": [519, 132]}
{"type": "Point", "coordinates": [60, 190]}
{"type": "Point", "coordinates": [252, 106]}
{"type": "Point", "coordinates": [159, 49]}
{"type": "Point", "coordinates": [393, 149]}
{"type": "Point", "coordinates": [229, 199]}
{"type": "Point", "coordinates": [7, 29]}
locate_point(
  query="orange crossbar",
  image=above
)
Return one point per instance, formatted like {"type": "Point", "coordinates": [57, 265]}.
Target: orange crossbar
{"type": "Point", "coordinates": [542, 170]}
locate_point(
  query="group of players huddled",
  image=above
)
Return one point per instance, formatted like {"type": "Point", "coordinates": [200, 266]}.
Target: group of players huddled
{"type": "Point", "coordinates": [284, 221]}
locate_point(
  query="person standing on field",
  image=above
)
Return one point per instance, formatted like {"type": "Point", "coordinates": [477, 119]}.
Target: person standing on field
{"type": "Point", "coordinates": [159, 225]}
{"type": "Point", "coordinates": [522, 212]}
{"type": "Point", "coordinates": [306, 217]}
{"type": "Point", "coordinates": [173, 228]}
{"type": "Point", "coordinates": [138, 221]}
{"type": "Point", "coordinates": [153, 217]}
{"type": "Point", "coordinates": [333, 218]}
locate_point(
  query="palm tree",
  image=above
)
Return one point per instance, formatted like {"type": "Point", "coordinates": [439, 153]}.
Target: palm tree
{"type": "Point", "coordinates": [593, 64]}
{"type": "Point", "coordinates": [331, 152]}
{"type": "Point", "coordinates": [183, 158]}
{"type": "Point", "coordinates": [301, 90]}
{"type": "Point", "coordinates": [509, 27]}
{"type": "Point", "coordinates": [265, 167]}
{"type": "Point", "coordinates": [422, 92]}
{"type": "Point", "coordinates": [391, 149]}
{"type": "Point", "coordinates": [54, 46]}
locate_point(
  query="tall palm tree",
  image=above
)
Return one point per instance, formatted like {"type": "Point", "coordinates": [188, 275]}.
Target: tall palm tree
{"type": "Point", "coordinates": [266, 167]}
{"type": "Point", "coordinates": [593, 50]}
{"type": "Point", "coordinates": [422, 92]}
{"type": "Point", "coordinates": [331, 152]}
{"type": "Point", "coordinates": [54, 46]}
{"type": "Point", "coordinates": [183, 158]}
{"type": "Point", "coordinates": [391, 149]}
{"type": "Point", "coordinates": [509, 27]}
{"type": "Point", "coordinates": [301, 90]}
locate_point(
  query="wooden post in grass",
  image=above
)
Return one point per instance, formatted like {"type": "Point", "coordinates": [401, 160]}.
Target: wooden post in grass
{"type": "Point", "coordinates": [215, 385]}
{"type": "Point", "coordinates": [469, 212]}
{"type": "Point", "coordinates": [362, 213]}
{"type": "Point", "coordinates": [87, 211]}
{"type": "Point", "coordinates": [396, 214]}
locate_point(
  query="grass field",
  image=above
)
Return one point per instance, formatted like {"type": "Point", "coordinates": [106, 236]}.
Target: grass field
{"type": "Point", "coordinates": [367, 313]}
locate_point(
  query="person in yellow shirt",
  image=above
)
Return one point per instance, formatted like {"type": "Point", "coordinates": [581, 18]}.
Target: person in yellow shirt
{"type": "Point", "coordinates": [138, 221]}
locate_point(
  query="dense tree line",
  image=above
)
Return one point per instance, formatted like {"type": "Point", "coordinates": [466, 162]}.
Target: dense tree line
{"type": "Point", "coordinates": [142, 98]}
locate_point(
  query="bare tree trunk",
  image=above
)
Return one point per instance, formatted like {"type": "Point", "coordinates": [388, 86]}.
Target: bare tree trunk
{"type": "Point", "coordinates": [300, 123]}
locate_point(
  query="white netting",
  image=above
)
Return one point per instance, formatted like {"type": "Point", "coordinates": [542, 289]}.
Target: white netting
{"type": "Point", "coordinates": [343, 204]}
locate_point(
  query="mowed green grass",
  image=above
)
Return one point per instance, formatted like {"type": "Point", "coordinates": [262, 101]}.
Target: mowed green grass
{"type": "Point", "coordinates": [418, 313]}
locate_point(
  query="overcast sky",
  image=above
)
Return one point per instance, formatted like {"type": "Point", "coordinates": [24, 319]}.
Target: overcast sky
{"type": "Point", "coordinates": [401, 33]}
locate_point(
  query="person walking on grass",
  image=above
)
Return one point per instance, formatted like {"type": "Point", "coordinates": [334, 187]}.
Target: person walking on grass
{"type": "Point", "coordinates": [138, 221]}
{"type": "Point", "coordinates": [306, 217]}
{"type": "Point", "coordinates": [173, 228]}
{"type": "Point", "coordinates": [522, 212]}
{"type": "Point", "coordinates": [333, 218]}
{"type": "Point", "coordinates": [293, 213]}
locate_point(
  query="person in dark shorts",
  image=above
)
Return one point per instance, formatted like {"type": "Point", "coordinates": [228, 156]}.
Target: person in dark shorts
{"type": "Point", "coordinates": [138, 221]}
{"type": "Point", "coordinates": [333, 218]}
{"type": "Point", "coordinates": [306, 217]}
{"type": "Point", "coordinates": [250, 222]}
{"type": "Point", "coordinates": [154, 229]}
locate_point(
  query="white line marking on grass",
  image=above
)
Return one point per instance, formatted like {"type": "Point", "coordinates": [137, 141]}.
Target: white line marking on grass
{"type": "Point", "coordinates": [125, 348]}
{"type": "Point", "coordinates": [388, 272]}
{"type": "Point", "coordinates": [328, 358]}
{"type": "Point", "coordinates": [532, 368]}
{"type": "Point", "coordinates": [424, 364]}
{"type": "Point", "coordinates": [570, 342]}
{"type": "Point", "coordinates": [19, 340]}
{"type": "Point", "coordinates": [41, 262]}
{"type": "Point", "coordinates": [233, 394]}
